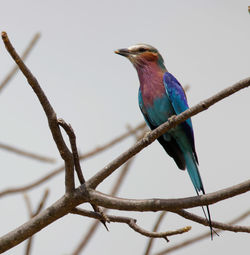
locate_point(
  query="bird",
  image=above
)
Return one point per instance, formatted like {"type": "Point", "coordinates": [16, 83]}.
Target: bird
{"type": "Point", "coordinates": [161, 96]}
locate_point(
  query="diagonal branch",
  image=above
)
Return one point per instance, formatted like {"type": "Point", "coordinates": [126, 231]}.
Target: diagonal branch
{"type": "Point", "coordinates": [50, 113]}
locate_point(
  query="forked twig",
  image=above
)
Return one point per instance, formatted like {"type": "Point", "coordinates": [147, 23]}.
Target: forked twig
{"type": "Point", "coordinates": [132, 223]}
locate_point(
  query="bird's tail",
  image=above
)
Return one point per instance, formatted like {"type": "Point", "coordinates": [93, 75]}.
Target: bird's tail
{"type": "Point", "coordinates": [194, 174]}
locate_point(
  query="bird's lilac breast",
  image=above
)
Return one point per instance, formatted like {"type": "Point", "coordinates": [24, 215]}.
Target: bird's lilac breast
{"type": "Point", "coordinates": [152, 87]}
{"type": "Point", "coordinates": [155, 99]}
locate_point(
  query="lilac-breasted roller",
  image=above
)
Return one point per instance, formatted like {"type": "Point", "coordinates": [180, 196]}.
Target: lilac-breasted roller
{"type": "Point", "coordinates": [161, 96]}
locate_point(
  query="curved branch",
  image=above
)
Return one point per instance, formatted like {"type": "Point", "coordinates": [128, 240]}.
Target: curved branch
{"type": "Point", "coordinates": [156, 204]}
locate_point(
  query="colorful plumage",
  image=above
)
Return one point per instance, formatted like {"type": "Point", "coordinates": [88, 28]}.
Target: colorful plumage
{"type": "Point", "coordinates": [161, 96]}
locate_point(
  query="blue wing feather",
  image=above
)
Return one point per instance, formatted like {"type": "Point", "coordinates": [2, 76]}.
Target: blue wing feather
{"type": "Point", "coordinates": [169, 144]}
{"type": "Point", "coordinates": [179, 102]}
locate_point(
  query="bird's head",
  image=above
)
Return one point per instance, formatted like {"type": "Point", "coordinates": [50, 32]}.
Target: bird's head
{"type": "Point", "coordinates": [141, 55]}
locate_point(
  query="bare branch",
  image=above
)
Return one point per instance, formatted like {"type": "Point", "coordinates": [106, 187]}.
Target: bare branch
{"type": "Point", "coordinates": [26, 153]}
{"type": "Point", "coordinates": [155, 228]}
{"type": "Point", "coordinates": [199, 237]}
{"type": "Point", "coordinates": [131, 223]}
{"type": "Point", "coordinates": [50, 113]}
{"type": "Point", "coordinates": [24, 56]}
{"type": "Point", "coordinates": [153, 135]}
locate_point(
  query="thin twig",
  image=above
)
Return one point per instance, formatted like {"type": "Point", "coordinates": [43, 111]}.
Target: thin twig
{"type": "Point", "coordinates": [72, 138]}
{"type": "Point", "coordinates": [155, 228]}
{"type": "Point", "coordinates": [24, 56]}
{"type": "Point", "coordinates": [199, 237]}
{"type": "Point", "coordinates": [132, 223]}
{"type": "Point", "coordinates": [32, 214]}
{"type": "Point", "coordinates": [32, 185]}
{"type": "Point", "coordinates": [28, 204]}
{"type": "Point", "coordinates": [215, 224]}
{"type": "Point", "coordinates": [50, 113]}
{"type": "Point", "coordinates": [26, 153]}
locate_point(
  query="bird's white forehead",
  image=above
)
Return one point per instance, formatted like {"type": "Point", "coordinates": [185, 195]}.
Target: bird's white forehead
{"type": "Point", "coordinates": [140, 45]}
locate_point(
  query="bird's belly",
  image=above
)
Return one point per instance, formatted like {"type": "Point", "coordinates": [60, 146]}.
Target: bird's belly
{"type": "Point", "coordinates": [160, 111]}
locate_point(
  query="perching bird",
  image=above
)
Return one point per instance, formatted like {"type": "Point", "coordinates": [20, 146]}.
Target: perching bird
{"type": "Point", "coordinates": [161, 96]}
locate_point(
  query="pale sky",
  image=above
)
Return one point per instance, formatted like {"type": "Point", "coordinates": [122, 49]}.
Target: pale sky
{"type": "Point", "coordinates": [205, 44]}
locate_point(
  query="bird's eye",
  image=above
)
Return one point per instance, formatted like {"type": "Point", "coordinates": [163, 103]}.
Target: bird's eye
{"type": "Point", "coordinates": [142, 50]}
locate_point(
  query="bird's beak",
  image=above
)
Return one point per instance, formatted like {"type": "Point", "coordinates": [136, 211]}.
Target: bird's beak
{"type": "Point", "coordinates": [123, 52]}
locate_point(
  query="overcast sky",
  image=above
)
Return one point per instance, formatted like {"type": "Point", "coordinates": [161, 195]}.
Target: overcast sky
{"type": "Point", "coordinates": [205, 44]}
